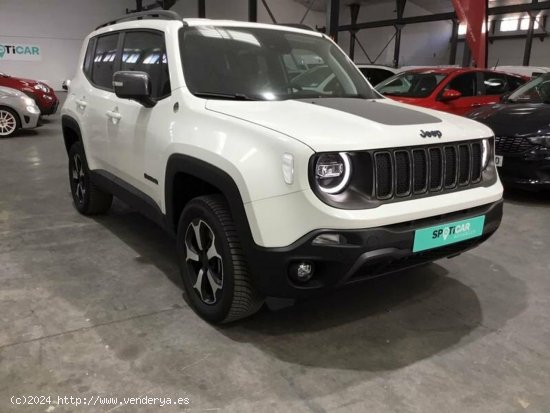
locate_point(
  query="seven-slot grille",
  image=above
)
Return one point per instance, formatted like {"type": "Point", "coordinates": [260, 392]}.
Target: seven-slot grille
{"type": "Point", "coordinates": [507, 146]}
{"type": "Point", "coordinates": [419, 170]}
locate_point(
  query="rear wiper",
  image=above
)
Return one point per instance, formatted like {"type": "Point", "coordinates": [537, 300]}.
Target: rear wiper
{"type": "Point", "coordinates": [236, 96]}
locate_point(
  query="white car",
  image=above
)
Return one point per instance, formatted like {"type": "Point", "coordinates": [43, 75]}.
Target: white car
{"type": "Point", "coordinates": [529, 71]}
{"type": "Point", "coordinates": [270, 189]}
{"type": "Point", "coordinates": [376, 74]}
{"type": "Point", "coordinates": [17, 111]}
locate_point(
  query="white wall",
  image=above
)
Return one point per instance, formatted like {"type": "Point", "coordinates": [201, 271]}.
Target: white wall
{"type": "Point", "coordinates": [58, 28]}
{"type": "Point", "coordinates": [510, 52]}
{"type": "Point", "coordinates": [421, 44]}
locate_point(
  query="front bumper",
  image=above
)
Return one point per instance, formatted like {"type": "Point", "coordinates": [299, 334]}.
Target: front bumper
{"type": "Point", "coordinates": [369, 253]}
{"type": "Point", "coordinates": [47, 103]}
{"type": "Point", "coordinates": [30, 120]}
{"type": "Point", "coordinates": [29, 116]}
{"type": "Point", "coordinates": [530, 170]}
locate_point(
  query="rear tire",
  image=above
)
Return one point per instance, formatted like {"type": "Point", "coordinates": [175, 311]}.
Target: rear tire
{"type": "Point", "coordinates": [212, 263]}
{"type": "Point", "coordinates": [9, 122]}
{"type": "Point", "coordinates": [87, 197]}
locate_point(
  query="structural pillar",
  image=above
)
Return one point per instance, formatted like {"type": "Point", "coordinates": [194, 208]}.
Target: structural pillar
{"type": "Point", "coordinates": [529, 38]}
{"type": "Point", "coordinates": [354, 9]}
{"type": "Point", "coordinates": [400, 8]}
{"type": "Point", "coordinates": [202, 9]}
{"type": "Point", "coordinates": [466, 56]}
{"type": "Point", "coordinates": [252, 10]}
{"type": "Point", "coordinates": [333, 18]}
{"type": "Point", "coordinates": [454, 42]}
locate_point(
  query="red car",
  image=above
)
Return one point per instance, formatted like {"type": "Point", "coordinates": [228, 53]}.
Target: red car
{"type": "Point", "coordinates": [453, 90]}
{"type": "Point", "coordinates": [43, 95]}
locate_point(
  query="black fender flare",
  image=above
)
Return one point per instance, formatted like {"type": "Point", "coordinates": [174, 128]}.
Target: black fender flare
{"type": "Point", "coordinates": [214, 176]}
{"type": "Point", "coordinates": [70, 123]}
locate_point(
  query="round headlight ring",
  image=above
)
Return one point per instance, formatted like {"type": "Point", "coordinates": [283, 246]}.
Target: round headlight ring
{"type": "Point", "coordinates": [345, 177]}
{"type": "Point", "coordinates": [485, 153]}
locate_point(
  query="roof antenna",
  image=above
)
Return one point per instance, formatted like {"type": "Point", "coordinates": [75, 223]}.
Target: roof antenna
{"type": "Point", "coordinates": [496, 64]}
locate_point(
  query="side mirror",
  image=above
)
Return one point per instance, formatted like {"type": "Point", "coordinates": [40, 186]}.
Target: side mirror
{"type": "Point", "coordinates": [450, 94]}
{"type": "Point", "coordinates": [135, 86]}
{"type": "Point", "coordinates": [504, 98]}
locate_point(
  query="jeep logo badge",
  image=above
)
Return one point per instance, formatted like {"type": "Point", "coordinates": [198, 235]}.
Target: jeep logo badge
{"type": "Point", "coordinates": [431, 134]}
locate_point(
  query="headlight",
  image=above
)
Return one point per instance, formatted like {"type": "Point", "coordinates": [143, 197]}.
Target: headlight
{"type": "Point", "coordinates": [42, 87]}
{"type": "Point", "coordinates": [29, 101]}
{"type": "Point", "coordinates": [486, 152]}
{"type": "Point", "coordinates": [540, 140]}
{"type": "Point", "coordinates": [332, 172]}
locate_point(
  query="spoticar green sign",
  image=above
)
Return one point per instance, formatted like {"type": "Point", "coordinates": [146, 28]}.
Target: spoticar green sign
{"type": "Point", "coordinates": [441, 235]}
{"type": "Point", "coordinates": [9, 51]}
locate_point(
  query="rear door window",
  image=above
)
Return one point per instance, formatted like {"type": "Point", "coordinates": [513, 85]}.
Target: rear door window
{"type": "Point", "coordinates": [145, 51]}
{"type": "Point", "coordinates": [89, 58]}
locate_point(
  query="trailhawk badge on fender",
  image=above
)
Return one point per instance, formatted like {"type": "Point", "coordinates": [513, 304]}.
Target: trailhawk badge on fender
{"type": "Point", "coordinates": [431, 134]}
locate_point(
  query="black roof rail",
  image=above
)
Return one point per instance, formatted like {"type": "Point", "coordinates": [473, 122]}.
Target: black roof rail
{"type": "Point", "coordinates": [145, 15]}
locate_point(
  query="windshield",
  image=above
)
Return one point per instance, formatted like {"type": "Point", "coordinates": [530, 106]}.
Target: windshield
{"type": "Point", "coordinates": [411, 84]}
{"type": "Point", "coordinates": [267, 64]}
{"type": "Point", "coordinates": [535, 91]}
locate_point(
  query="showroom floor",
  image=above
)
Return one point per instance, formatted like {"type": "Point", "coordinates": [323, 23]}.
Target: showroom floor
{"type": "Point", "coordinates": [93, 306]}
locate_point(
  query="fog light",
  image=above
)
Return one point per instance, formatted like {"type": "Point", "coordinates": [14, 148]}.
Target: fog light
{"type": "Point", "coordinates": [302, 272]}
{"type": "Point", "coordinates": [329, 239]}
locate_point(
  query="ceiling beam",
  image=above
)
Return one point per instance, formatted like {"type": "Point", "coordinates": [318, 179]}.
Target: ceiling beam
{"type": "Point", "coordinates": [405, 20]}
{"type": "Point", "coordinates": [516, 8]}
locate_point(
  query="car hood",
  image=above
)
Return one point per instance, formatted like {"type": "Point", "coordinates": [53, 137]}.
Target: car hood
{"type": "Point", "coordinates": [17, 82]}
{"type": "Point", "coordinates": [515, 119]}
{"type": "Point", "coordinates": [345, 124]}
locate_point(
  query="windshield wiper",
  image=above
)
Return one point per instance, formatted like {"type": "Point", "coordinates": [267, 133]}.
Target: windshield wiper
{"type": "Point", "coordinates": [236, 96]}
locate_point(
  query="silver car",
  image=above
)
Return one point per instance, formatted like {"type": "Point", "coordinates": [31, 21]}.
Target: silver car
{"type": "Point", "coordinates": [17, 111]}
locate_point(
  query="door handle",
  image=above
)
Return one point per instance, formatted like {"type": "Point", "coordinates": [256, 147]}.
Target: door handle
{"type": "Point", "coordinates": [115, 116]}
{"type": "Point", "coordinates": [476, 105]}
{"type": "Point", "coordinates": [81, 103]}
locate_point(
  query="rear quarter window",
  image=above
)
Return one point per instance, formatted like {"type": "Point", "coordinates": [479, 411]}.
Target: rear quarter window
{"type": "Point", "coordinates": [103, 66]}
{"type": "Point", "coordinates": [88, 58]}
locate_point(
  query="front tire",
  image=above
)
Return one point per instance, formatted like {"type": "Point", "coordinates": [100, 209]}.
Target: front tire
{"type": "Point", "coordinates": [212, 264]}
{"type": "Point", "coordinates": [87, 197]}
{"type": "Point", "coordinates": [9, 122]}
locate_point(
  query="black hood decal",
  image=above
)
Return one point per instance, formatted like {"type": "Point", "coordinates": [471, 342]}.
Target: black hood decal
{"type": "Point", "coordinates": [376, 111]}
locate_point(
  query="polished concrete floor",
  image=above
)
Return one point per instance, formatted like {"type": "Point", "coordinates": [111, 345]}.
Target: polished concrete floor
{"type": "Point", "coordinates": [93, 307]}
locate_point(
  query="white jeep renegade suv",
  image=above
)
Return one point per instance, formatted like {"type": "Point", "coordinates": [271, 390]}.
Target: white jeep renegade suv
{"type": "Point", "coordinates": [272, 189]}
